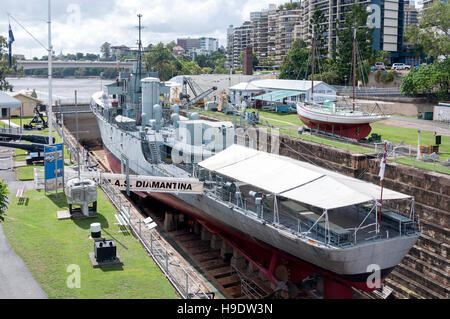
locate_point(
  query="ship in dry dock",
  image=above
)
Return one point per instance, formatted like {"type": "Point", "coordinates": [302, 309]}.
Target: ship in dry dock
{"type": "Point", "coordinates": [292, 220]}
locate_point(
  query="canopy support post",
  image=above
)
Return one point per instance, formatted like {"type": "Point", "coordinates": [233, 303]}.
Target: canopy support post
{"type": "Point", "coordinates": [276, 215]}
{"type": "Point", "coordinates": [327, 228]}
{"type": "Point", "coordinates": [321, 216]}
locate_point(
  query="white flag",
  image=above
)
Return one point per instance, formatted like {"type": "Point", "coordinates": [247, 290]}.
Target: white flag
{"type": "Point", "coordinates": [382, 166]}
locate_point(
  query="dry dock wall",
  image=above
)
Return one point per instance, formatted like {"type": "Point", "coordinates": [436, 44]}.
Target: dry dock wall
{"type": "Point", "coordinates": [424, 272]}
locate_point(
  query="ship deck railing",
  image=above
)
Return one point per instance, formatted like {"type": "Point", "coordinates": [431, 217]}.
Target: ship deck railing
{"type": "Point", "coordinates": [348, 227]}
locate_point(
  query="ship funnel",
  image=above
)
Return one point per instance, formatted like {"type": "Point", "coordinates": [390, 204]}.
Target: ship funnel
{"type": "Point", "coordinates": [150, 95]}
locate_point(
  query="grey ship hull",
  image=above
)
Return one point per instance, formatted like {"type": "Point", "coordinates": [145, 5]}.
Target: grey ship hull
{"type": "Point", "coordinates": [348, 264]}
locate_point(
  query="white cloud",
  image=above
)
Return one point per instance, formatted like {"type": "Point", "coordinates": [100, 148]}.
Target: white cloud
{"type": "Point", "coordinates": [102, 20]}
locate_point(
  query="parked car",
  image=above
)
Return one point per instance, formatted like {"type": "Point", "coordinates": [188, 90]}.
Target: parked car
{"type": "Point", "coordinates": [379, 66]}
{"type": "Point", "coordinates": [400, 66]}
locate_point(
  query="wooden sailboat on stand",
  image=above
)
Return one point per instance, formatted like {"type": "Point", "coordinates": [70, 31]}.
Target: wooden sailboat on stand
{"type": "Point", "coordinates": [345, 121]}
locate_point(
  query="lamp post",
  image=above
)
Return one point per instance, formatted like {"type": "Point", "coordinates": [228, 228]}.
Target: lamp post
{"type": "Point", "coordinates": [418, 145]}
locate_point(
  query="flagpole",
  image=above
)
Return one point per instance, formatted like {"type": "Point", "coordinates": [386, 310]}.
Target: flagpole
{"type": "Point", "coordinates": [382, 186]}
{"type": "Point", "coordinates": [50, 97]}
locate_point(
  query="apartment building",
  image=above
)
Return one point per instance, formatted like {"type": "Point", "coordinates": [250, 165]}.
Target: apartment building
{"type": "Point", "coordinates": [202, 45]}
{"type": "Point", "coordinates": [288, 29]}
{"type": "Point", "coordinates": [270, 32]}
{"type": "Point", "coordinates": [238, 38]}
{"type": "Point", "coordinates": [273, 30]}
{"type": "Point", "coordinates": [410, 13]}
{"type": "Point", "coordinates": [386, 17]}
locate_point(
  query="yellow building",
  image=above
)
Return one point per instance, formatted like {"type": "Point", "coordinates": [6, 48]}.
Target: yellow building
{"type": "Point", "coordinates": [28, 105]}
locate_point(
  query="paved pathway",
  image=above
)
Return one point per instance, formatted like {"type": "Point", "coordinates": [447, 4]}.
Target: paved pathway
{"type": "Point", "coordinates": [16, 281]}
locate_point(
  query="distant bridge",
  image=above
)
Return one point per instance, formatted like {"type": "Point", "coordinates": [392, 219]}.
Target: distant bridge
{"type": "Point", "coordinates": [29, 65]}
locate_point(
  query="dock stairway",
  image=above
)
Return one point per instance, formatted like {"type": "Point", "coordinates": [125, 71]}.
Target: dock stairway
{"type": "Point", "coordinates": [150, 149]}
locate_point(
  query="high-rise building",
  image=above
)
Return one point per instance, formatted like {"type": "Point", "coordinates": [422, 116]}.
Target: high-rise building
{"type": "Point", "coordinates": [273, 30]}
{"type": "Point", "coordinates": [198, 45]}
{"type": "Point", "coordinates": [410, 13]}
{"type": "Point", "coordinates": [386, 17]}
{"type": "Point", "coordinates": [271, 33]}
{"type": "Point", "coordinates": [241, 37]}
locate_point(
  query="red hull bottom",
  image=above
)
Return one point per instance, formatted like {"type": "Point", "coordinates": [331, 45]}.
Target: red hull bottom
{"type": "Point", "coordinates": [354, 131]}
{"type": "Point", "coordinates": [264, 257]}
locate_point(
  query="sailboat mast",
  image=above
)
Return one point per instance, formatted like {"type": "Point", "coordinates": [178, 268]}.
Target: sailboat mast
{"type": "Point", "coordinates": [354, 67]}
{"type": "Point", "coordinates": [312, 65]}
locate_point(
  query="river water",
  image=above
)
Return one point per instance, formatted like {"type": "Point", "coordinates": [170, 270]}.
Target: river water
{"type": "Point", "coordinates": [63, 89]}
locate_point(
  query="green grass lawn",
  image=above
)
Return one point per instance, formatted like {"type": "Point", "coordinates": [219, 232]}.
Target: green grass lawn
{"type": "Point", "coordinates": [409, 136]}
{"type": "Point", "coordinates": [48, 246]}
{"type": "Point", "coordinates": [411, 161]}
{"type": "Point", "coordinates": [26, 173]}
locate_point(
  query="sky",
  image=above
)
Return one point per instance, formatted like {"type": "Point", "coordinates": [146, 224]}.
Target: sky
{"type": "Point", "coordinates": [83, 25]}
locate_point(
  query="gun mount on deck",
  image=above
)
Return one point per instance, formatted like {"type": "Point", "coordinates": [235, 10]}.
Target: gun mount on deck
{"type": "Point", "coordinates": [26, 137]}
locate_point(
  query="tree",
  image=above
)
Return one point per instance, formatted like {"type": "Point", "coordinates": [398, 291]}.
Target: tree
{"type": "Point", "coordinates": [161, 60]}
{"type": "Point", "coordinates": [432, 34]}
{"type": "Point", "coordinates": [431, 79]}
{"type": "Point", "coordinates": [320, 30]}
{"type": "Point", "coordinates": [4, 66]}
{"type": "Point", "coordinates": [106, 50]}
{"type": "Point", "coordinates": [289, 6]}
{"type": "Point", "coordinates": [171, 45]}
{"type": "Point", "coordinates": [269, 61]}
{"type": "Point", "coordinates": [383, 56]}
{"type": "Point", "coordinates": [219, 70]}
{"type": "Point", "coordinates": [295, 63]}
{"type": "Point", "coordinates": [354, 18]}
{"type": "Point", "coordinates": [190, 68]}
{"type": "Point", "coordinates": [3, 197]}
{"type": "Point", "coordinates": [206, 70]}
{"type": "Point", "coordinates": [79, 56]}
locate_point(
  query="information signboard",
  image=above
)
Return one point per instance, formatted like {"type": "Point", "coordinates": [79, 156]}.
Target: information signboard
{"type": "Point", "coordinates": [54, 167]}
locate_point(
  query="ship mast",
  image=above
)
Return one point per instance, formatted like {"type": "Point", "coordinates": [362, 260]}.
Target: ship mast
{"type": "Point", "coordinates": [312, 66]}
{"type": "Point", "coordinates": [140, 47]}
{"type": "Point", "coordinates": [354, 66]}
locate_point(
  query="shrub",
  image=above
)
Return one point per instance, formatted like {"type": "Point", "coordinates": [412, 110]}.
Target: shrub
{"type": "Point", "coordinates": [3, 197]}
